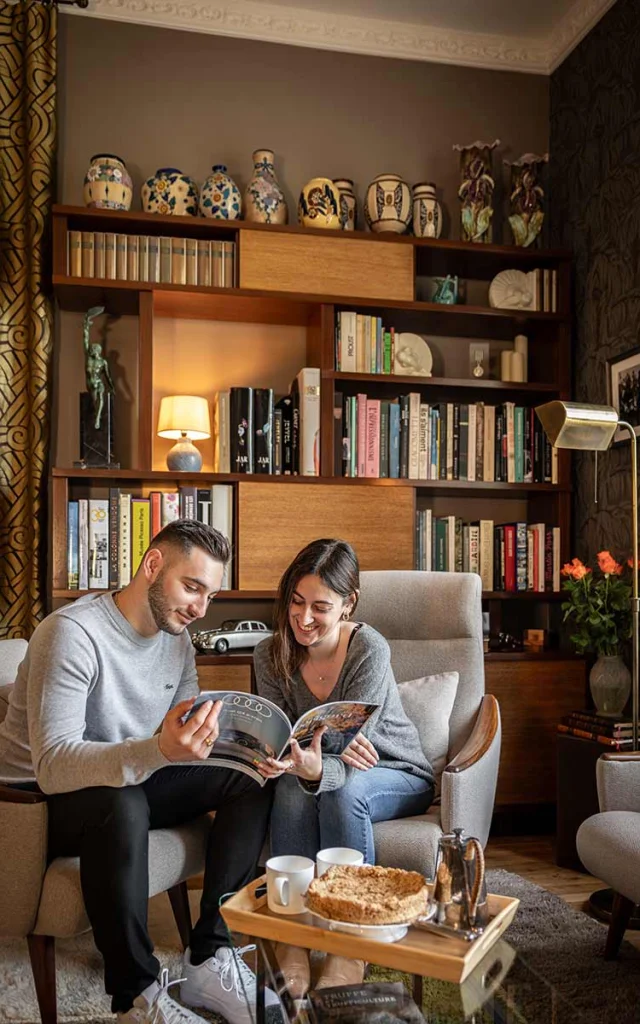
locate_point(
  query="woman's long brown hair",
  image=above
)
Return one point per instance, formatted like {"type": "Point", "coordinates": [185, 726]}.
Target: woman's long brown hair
{"type": "Point", "coordinates": [336, 564]}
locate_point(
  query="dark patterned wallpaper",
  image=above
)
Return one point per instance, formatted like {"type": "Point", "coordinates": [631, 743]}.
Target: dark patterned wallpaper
{"type": "Point", "coordinates": [595, 211]}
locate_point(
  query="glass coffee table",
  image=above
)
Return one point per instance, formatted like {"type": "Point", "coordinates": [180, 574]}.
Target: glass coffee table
{"type": "Point", "coordinates": [423, 978]}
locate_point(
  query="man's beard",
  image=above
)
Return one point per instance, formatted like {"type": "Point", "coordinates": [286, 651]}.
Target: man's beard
{"type": "Point", "coordinates": [160, 608]}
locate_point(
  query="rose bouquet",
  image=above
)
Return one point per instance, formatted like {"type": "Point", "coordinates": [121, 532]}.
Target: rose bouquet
{"type": "Point", "coordinates": [598, 606]}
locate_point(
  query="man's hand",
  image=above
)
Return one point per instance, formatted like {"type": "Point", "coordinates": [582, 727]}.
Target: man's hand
{"type": "Point", "coordinates": [306, 764]}
{"type": "Point", "coordinates": [191, 740]}
{"type": "Point", "coordinates": [360, 753]}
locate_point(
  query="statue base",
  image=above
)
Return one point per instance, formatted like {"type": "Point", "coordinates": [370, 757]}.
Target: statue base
{"type": "Point", "coordinates": [96, 444]}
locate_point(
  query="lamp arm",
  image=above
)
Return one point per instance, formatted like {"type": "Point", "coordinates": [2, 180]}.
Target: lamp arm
{"type": "Point", "coordinates": [635, 600]}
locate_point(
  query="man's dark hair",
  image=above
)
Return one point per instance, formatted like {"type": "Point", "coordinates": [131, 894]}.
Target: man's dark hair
{"type": "Point", "coordinates": [185, 534]}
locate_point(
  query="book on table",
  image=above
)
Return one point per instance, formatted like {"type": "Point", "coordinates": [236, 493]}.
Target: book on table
{"type": "Point", "coordinates": [253, 729]}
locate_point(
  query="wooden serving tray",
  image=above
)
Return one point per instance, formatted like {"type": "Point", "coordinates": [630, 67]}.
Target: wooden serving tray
{"type": "Point", "coordinates": [445, 957]}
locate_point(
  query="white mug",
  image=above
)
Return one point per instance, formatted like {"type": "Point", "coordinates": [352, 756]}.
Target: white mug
{"type": "Point", "coordinates": [288, 879]}
{"type": "Point", "coordinates": [337, 855]}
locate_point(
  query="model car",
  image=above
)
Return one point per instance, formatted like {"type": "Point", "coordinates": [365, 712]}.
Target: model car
{"type": "Point", "coordinates": [233, 634]}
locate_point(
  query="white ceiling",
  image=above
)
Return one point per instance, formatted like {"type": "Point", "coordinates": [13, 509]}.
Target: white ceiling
{"type": "Point", "coordinates": [531, 36]}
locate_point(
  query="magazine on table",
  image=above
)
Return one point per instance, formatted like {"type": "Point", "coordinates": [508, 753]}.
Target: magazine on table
{"type": "Point", "coordinates": [385, 1002]}
{"type": "Point", "coordinates": [253, 729]}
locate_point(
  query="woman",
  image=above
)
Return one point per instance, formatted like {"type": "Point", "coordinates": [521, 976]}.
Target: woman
{"type": "Point", "coordinates": [318, 654]}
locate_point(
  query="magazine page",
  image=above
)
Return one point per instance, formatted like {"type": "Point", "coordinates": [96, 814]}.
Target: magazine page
{"type": "Point", "coordinates": [370, 1003]}
{"type": "Point", "coordinates": [251, 730]}
{"type": "Point", "coordinates": [343, 718]}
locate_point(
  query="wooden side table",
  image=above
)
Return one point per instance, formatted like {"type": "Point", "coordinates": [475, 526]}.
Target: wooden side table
{"type": "Point", "coordinates": [577, 794]}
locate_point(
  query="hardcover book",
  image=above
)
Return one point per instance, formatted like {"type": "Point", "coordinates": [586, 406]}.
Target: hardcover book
{"type": "Point", "coordinates": [263, 430]}
{"type": "Point", "coordinates": [241, 430]}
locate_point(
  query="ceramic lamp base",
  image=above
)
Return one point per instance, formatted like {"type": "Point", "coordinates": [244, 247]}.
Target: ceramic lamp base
{"type": "Point", "coordinates": [184, 457]}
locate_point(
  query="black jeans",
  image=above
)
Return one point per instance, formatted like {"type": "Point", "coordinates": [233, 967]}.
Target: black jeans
{"type": "Point", "coordinates": [108, 829]}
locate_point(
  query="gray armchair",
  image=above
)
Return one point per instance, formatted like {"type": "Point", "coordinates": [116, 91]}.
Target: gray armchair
{"type": "Point", "coordinates": [42, 901]}
{"type": "Point", "coordinates": [433, 623]}
{"type": "Point", "coordinates": [609, 843]}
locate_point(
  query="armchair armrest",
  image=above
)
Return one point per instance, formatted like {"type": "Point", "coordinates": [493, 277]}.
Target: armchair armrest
{"type": "Point", "coordinates": [618, 778]}
{"type": "Point", "coordinates": [469, 780]}
{"type": "Point", "coordinates": [23, 856]}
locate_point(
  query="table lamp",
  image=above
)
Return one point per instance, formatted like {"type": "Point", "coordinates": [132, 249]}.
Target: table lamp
{"type": "Point", "coordinates": [184, 418]}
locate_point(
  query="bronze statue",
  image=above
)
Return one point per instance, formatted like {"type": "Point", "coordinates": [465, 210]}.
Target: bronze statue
{"type": "Point", "coordinates": [95, 366]}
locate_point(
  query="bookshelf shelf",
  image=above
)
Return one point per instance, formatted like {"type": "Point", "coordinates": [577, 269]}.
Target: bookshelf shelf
{"type": "Point", "coordinates": [459, 383]}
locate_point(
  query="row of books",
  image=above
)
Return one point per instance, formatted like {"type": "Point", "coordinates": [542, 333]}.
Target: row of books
{"type": "Point", "coordinates": [363, 344]}
{"type": "Point", "coordinates": [545, 292]}
{"type": "Point", "coordinates": [107, 536]}
{"type": "Point", "coordinates": [257, 434]}
{"type": "Point", "coordinates": [511, 557]}
{"type": "Point", "coordinates": [410, 439]}
{"type": "Point", "coordinates": [118, 257]}
{"type": "Point", "coordinates": [589, 725]}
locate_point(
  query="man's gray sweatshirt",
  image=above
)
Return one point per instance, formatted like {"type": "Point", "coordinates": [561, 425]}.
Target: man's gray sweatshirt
{"type": "Point", "coordinates": [89, 698]}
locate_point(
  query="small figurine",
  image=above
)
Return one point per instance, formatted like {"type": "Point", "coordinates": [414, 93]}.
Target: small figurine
{"type": "Point", "coordinates": [95, 365]}
{"type": "Point", "coordinates": [447, 290]}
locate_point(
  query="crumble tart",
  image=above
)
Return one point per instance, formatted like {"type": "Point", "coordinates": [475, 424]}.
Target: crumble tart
{"type": "Point", "coordinates": [368, 895]}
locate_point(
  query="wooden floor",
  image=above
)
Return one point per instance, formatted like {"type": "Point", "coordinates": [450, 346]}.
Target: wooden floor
{"type": "Point", "coordinates": [532, 857]}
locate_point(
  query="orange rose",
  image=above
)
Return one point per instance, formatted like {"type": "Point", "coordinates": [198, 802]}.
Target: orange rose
{"type": "Point", "coordinates": [607, 564]}
{"type": "Point", "coordinates": [630, 563]}
{"type": "Point", "coordinates": [567, 569]}
{"type": "Point", "coordinates": [575, 569]}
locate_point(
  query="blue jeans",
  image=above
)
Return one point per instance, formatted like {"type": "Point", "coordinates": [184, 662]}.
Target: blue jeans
{"type": "Point", "coordinates": [303, 823]}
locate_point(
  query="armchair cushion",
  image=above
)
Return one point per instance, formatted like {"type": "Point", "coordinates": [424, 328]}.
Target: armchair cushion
{"type": "Point", "coordinates": [174, 855]}
{"type": "Point", "coordinates": [608, 846]}
{"type": "Point", "coordinates": [23, 856]}
{"type": "Point", "coordinates": [409, 843]}
{"type": "Point", "coordinates": [428, 702]}
{"type": "Point", "coordinates": [618, 778]}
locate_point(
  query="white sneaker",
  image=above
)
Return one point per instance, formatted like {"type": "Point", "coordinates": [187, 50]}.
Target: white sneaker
{"type": "Point", "coordinates": [155, 1006]}
{"type": "Point", "coordinates": [225, 984]}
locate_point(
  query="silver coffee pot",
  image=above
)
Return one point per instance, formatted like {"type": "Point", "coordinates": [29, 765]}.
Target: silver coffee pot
{"type": "Point", "coordinates": [460, 891]}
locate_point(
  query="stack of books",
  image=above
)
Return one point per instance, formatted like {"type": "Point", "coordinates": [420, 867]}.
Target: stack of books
{"type": "Point", "coordinates": [411, 439]}
{"type": "Point", "coordinates": [616, 733]}
{"type": "Point", "coordinates": [107, 536]}
{"type": "Point", "coordinates": [511, 557]}
{"type": "Point", "coordinates": [117, 257]}
{"type": "Point", "coordinates": [257, 434]}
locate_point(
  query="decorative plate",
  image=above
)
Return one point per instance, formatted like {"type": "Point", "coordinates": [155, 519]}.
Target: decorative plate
{"type": "Point", "coordinates": [376, 932]}
{"type": "Point", "coordinates": [513, 289]}
{"type": "Point", "coordinates": [412, 357]}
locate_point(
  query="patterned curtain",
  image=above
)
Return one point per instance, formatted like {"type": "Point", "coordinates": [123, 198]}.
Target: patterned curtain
{"type": "Point", "coordinates": [27, 154]}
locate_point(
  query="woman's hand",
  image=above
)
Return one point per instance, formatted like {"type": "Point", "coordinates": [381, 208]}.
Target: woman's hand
{"type": "Point", "coordinates": [306, 764]}
{"type": "Point", "coordinates": [360, 754]}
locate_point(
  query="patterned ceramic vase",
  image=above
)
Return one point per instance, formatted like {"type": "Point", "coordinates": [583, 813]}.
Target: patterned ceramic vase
{"type": "Point", "coordinates": [319, 204]}
{"type": "Point", "coordinates": [107, 183]}
{"type": "Point", "coordinates": [387, 205]}
{"type": "Point", "coordinates": [347, 203]}
{"type": "Point", "coordinates": [220, 196]}
{"type": "Point", "coordinates": [427, 212]}
{"type": "Point", "coordinates": [264, 199]}
{"type": "Point", "coordinates": [170, 191]}
{"type": "Point", "coordinates": [610, 684]}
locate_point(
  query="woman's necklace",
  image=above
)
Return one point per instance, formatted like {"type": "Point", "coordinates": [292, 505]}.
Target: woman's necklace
{"type": "Point", "coordinates": [330, 662]}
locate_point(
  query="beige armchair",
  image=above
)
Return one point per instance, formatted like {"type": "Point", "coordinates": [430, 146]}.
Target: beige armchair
{"type": "Point", "coordinates": [609, 843]}
{"type": "Point", "coordinates": [42, 901]}
{"type": "Point", "coordinates": [433, 623]}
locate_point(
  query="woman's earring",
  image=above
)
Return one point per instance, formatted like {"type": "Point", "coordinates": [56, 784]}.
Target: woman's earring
{"type": "Point", "coordinates": [346, 615]}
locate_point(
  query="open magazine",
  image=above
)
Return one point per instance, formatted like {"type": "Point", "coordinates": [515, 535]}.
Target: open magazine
{"type": "Point", "coordinates": [253, 729]}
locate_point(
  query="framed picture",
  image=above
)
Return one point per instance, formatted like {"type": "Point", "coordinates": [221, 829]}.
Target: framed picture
{"type": "Point", "coordinates": [624, 390]}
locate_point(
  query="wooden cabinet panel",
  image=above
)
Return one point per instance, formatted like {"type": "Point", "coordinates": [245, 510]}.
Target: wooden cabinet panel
{"type": "Point", "coordinates": [275, 522]}
{"type": "Point", "coordinates": [533, 696]}
{"type": "Point", "coordinates": [225, 677]}
{"type": "Point", "coordinates": [326, 265]}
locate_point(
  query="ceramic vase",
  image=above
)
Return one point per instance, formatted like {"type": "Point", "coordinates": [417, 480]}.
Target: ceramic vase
{"type": "Point", "coordinates": [387, 205]}
{"type": "Point", "coordinates": [427, 212]}
{"type": "Point", "coordinates": [319, 204]}
{"type": "Point", "coordinates": [610, 685]}
{"type": "Point", "coordinates": [107, 183]}
{"type": "Point", "coordinates": [476, 190]}
{"type": "Point", "coordinates": [220, 196]}
{"type": "Point", "coordinates": [264, 199]}
{"type": "Point", "coordinates": [170, 191]}
{"type": "Point", "coordinates": [348, 203]}
{"type": "Point", "coordinates": [526, 199]}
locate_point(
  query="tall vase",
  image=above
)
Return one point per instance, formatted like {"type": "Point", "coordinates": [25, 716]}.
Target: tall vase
{"type": "Point", "coordinates": [526, 199]}
{"type": "Point", "coordinates": [347, 203]}
{"type": "Point", "coordinates": [476, 190]}
{"type": "Point", "coordinates": [264, 199]}
{"type": "Point", "coordinates": [610, 685]}
{"type": "Point", "coordinates": [387, 204]}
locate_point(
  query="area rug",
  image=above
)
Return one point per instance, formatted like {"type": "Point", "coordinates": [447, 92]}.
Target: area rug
{"type": "Point", "coordinates": [554, 942]}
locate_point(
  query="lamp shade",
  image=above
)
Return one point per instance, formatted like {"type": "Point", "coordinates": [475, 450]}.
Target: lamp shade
{"type": "Point", "coordinates": [184, 414]}
{"type": "Point", "coordinates": [578, 426]}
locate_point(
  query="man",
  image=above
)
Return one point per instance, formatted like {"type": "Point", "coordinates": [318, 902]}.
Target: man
{"type": "Point", "coordinates": [96, 719]}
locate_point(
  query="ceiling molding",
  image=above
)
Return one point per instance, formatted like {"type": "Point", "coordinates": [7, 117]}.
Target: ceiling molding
{"type": "Point", "coordinates": [297, 26]}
